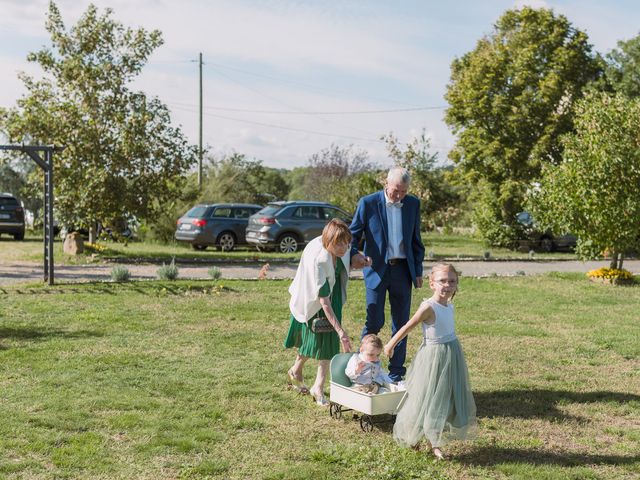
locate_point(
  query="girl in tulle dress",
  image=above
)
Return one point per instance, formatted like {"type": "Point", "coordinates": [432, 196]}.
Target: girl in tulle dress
{"type": "Point", "coordinates": [439, 405]}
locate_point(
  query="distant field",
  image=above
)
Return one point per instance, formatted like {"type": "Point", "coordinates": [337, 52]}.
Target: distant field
{"type": "Point", "coordinates": [186, 380]}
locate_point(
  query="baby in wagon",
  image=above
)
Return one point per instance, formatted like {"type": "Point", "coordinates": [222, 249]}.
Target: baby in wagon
{"type": "Point", "coordinates": [364, 368]}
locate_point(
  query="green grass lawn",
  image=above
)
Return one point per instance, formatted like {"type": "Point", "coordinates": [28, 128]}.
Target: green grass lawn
{"type": "Point", "coordinates": [437, 246]}
{"type": "Point", "coordinates": [153, 380]}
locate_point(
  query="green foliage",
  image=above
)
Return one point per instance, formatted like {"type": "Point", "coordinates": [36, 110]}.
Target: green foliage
{"type": "Point", "coordinates": [510, 100]}
{"type": "Point", "coordinates": [338, 175]}
{"type": "Point", "coordinates": [120, 273]}
{"type": "Point", "coordinates": [594, 192]}
{"type": "Point", "coordinates": [215, 273]}
{"type": "Point", "coordinates": [122, 158]}
{"type": "Point", "coordinates": [623, 68]}
{"type": "Point", "coordinates": [440, 199]}
{"type": "Point", "coordinates": [168, 272]}
{"type": "Point", "coordinates": [235, 178]}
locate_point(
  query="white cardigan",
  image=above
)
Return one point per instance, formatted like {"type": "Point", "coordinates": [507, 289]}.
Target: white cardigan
{"type": "Point", "coordinates": [315, 268]}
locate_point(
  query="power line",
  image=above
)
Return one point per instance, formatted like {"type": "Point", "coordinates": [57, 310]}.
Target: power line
{"type": "Point", "coordinates": [320, 112]}
{"type": "Point", "coordinates": [302, 84]}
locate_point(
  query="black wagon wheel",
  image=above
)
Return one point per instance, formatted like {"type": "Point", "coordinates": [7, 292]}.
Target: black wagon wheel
{"type": "Point", "coordinates": [288, 243]}
{"type": "Point", "coordinates": [366, 423]}
{"type": "Point", "coordinates": [335, 410]}
{"type": "Point", "coordinates": [227, 241]}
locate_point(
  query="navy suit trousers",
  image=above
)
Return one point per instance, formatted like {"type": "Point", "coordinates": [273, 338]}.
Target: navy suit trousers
{"type": "Point", "coordinates": [396, 281]}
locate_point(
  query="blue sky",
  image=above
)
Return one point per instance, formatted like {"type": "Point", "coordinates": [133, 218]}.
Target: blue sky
{"type": "Point", "coordinates": [284, 79]}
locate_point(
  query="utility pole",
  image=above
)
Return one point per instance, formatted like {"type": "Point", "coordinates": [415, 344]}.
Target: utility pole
{"type": "Point", "coordinates": [200, 132]}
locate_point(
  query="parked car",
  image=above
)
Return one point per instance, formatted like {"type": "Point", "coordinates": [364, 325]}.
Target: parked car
{"type": "Point", "coordinates": [220, 224]}
{"type": "Point", "coordinates": [11, 216]}
{"type": "Point", "coordinates": [288, 226]}
{"type": "Point", "coordinates": [546, 241]}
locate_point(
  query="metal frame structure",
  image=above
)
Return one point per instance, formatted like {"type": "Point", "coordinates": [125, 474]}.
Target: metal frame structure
{"type": "Point", "coordinates": [46, 165]}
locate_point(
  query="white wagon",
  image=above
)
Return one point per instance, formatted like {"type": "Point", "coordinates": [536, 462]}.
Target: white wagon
{"type": "Point", "coordinates": [344, 398]}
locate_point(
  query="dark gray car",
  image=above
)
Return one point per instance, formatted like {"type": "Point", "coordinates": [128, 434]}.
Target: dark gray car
{"type": "Point", "coordinates": [11, 216]}
{"type": "Point", "coordinates": [220, 224]}
{"type": "Point", "coordinates": [544, 241]}
{"type": "Point", "coordinates": [287, 226]}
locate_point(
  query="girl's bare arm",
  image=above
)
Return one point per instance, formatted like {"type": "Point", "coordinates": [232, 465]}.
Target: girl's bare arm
{"type": "Point", "coordinates": [423, 314]}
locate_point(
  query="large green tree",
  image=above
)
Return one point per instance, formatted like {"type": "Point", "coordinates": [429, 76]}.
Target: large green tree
{"type": "Point", "coordinates": [594, 192]}
{"type": "Point", "coordinates": [122, 157]}
{"type": "Point", "coordinates": [510, 99]}
{"type": "Point", "coordinates": [623, 67]}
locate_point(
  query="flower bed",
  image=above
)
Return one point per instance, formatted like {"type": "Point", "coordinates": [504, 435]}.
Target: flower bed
{"type": "Point", "coordinates": [611, 276]}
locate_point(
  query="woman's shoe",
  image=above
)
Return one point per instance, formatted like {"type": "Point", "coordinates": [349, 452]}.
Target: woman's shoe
{"type": "Point", "coordinates": [319, 398]}
{"type": "Point", "coordinates": [296, 384]}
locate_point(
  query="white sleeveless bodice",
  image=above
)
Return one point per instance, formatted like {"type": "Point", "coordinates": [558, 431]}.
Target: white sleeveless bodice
{"type": "Point", "coordinates": [443, 329]}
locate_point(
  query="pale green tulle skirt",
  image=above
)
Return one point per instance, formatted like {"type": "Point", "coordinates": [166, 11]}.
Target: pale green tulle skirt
{"type": "Point", "coordinates": [439, 405]}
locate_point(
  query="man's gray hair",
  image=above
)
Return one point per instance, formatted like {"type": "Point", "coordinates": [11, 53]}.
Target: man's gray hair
{"type": "Point", "coordinates": [399, 174]}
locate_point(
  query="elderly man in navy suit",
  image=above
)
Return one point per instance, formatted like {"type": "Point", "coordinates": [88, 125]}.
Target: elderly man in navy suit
{"type": "Point", "coordinates": [393, 255]}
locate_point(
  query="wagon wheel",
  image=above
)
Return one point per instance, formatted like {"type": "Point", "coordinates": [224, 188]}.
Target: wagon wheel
{"type": "Point", "coordinates": [366, 423]}
{"type": "Point", "coordinates": [335, 411]}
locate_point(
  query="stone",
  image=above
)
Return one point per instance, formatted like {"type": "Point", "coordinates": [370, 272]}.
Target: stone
{"type": "Point", "coordinates": [73, 244]}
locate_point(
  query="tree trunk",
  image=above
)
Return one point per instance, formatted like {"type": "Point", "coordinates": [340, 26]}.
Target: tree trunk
{"type": "Point", "coordinates": [616, 260]}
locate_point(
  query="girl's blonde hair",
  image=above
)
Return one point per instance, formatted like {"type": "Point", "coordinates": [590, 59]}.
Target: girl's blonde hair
{"type": "Point", "coordinates": [443, 266]}
{"type": "Point", "coordinates": [336, 231]}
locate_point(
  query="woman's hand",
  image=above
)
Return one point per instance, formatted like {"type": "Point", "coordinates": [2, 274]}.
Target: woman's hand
{"type": "Point", "coordinates": [344, 340]}
{"type": "Point", "coordinates": [388, 350]}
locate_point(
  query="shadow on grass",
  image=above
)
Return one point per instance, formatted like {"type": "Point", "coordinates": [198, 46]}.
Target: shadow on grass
{"type": "Point", "coordinates": [532, 403]}
{"type": "Point", "coordinates": [488, 456]}
{"type": "Point", "coordinates": [42, 334]}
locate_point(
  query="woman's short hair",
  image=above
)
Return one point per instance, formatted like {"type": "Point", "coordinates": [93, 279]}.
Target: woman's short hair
{"type": "Point", "coordinates": [336, 231]}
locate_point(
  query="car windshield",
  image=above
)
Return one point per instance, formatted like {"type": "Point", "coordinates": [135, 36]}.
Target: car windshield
{"type": "Point", "coordinates": [8, 201]}
{"type": "Point", "coordinates": [196, 212]}
{"type": "Point", "coordinates": [270, 210]}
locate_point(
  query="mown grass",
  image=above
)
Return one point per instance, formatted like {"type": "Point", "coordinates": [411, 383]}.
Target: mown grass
{"type": "Point", "coordinates": [437, 246]}
{"type": "Point", "coordinates": [164, 380]}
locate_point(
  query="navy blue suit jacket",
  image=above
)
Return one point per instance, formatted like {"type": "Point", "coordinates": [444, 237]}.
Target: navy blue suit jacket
{"type": "Point", "coordinates": [370, 220]}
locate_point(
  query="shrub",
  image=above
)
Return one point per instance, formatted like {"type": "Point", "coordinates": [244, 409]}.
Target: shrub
{"type": "Point", "coordinates": [120, 274]}
{"type": "Point", "coordinates": [168, 272]}
{"type": "Point", "coordinates": [215, 273]}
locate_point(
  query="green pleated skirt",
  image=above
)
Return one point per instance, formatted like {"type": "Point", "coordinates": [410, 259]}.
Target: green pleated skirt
{"type": "Point", "coordinates": [321, 346]}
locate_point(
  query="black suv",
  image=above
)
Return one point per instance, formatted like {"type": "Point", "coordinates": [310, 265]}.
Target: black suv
{"type": "Point", "coordinates": [545, 241]}
{"type": "Point", "coordinates": [220, 224]}
{"type": "Point", "coordinates": [287, 226]}
{"type": "Point", "coordinates": [11, 216]}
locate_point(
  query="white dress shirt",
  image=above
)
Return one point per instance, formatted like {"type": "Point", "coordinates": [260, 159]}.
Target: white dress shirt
{"type": "Point", "coordinates": [372, 372]}
{"type": "Point", "coordinates": [395, 244]}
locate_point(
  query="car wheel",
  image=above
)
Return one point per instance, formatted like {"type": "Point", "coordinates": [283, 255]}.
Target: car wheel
{"type": "Point", "coordinates": [227, 241]}
{"type": "Point", "coordinates": [288, 243]}
{"type": "Point", "coordinates": [198, 247]}
{"type": "Point", "coordinates": [546, 244]}
{"type": "Point", "coordinates": [18, 236]}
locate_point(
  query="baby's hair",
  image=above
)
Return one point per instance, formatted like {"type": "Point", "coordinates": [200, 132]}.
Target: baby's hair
{"type": "Point", "coordinates": [373, 339]}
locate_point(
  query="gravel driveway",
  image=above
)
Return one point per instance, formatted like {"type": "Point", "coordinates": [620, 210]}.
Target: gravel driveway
{"type": "Point", "coordinates": [14, 273]}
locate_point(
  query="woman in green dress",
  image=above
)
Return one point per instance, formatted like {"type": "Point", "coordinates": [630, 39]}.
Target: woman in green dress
{"type": "Point", "coordinates": [319, 290]}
